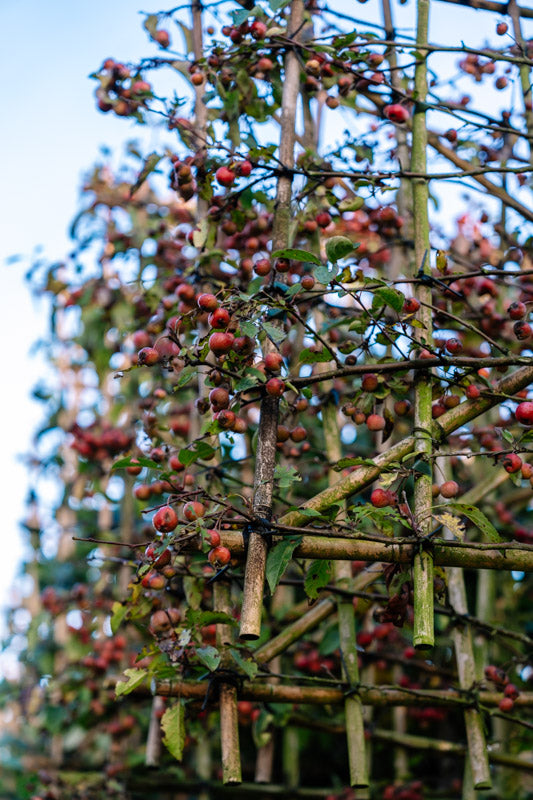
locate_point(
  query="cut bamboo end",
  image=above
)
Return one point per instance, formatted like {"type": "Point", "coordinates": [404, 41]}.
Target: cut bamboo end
{"type": "Point", "coordinates": [229, 736]}
{"type": "Point", "coordinates": [252, 601]}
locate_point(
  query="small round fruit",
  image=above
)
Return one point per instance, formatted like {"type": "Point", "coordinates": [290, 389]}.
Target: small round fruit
{"type": "Point", "coordinates": [273, 362]}
{"type": "Point", "coordinates": [165, 519]}
{"type": "Point", "coordinates": [225, 176]}
{"type": "Point", "coordinates": [449, 489]}
{"type": "Point", "coordinates": [512, 463]}
{"type": "Point", "coordinates": [402, 407]}
{"type": "Point", "coordinates": [517, 310]}
{"type": "Point", "coordinates": [370, 382]}
{"type": "Point", "coordinates": [472, 391]}
{"type": "Point", "coordinates": [298, 434]}
{"type": "Point", "coordinates": [506, 704]}
{"type": "Point", "coordinates": [323, 219]}
{"type": "Point", "coordinates": [380, 498]}
{"type": "Point", "coordinates": [162, 37]}
{"type": "Point", "coordinates": [193, 510]}
{"type": "Point", "coordinates": [134, 470]}
{"type": "Point", "coordinates": [207, 302]}
{"type": "Point", "coordinates": [219, 319]}
{"type": "Point", "coordinates": [522, 330]}
{"type": "Point", "coordinates": [148, 356]}
{"type": "Point", "coordinates": [275, 387]}
{"type": "Point", "coordinates": [502, 28]}
{"type": "Point", "coordinates": [454, 346]}
{"type": "Point", "coordinates": [219, 555]}
{"type": "Point", "coordinates": [307, 282]}
{"type": "Point", "coordinates": [375, 422]}
{"type": "Point", "coordinates": [258, 29]}
{"type": "Point", "coordinates": [225, 418]}
{"type": "Point", "coordinates": [411, 305]}
{"type": "Point", "coordinates": [524, 413]}
{"type": "Point", "coordinates": [214, 537]}
{"type": "Point", "coordinates": [220, 343]}
{"type": "Point", "coordinates": [175, 464]}
{"type": "Point", "coordinates": [396, 113]}
{"type": "Point", "coordinates": [511, 691]}
{"type": "Point", "coordinates": [219, 398]}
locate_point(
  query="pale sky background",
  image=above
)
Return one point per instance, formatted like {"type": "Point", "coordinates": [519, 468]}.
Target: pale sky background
{"type": "Point", "coordinates": [49, 135]}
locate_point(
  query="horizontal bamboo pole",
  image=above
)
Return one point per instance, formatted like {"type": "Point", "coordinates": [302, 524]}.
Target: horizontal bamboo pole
{"type": "Point", "coordinates": [509, 556]}
{"type": "Point", "coordinates": [377, 696]}
{"type": "Point", "coordinates": [362, 477]}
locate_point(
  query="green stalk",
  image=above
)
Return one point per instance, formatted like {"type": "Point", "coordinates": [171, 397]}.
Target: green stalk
{"type": "Point", "coordinates": [353, 709]}
{"type": "Point", "coordinates": [423, 633]}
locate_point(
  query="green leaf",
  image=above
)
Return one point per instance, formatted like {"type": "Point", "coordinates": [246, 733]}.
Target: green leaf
{"type": "Point", "coordinates": [324, 275]}
{"type": "Point", "coordinates": [186, 374]}
{"type": "Point", "coordinates": [286, 476]}
{"type": "Point", "coordinates": [308, 512]}
{"type": "Point", "coordinates": [248, 666]}
{"type": "Point", "coordinates": [330, 641]}
{"type": "Point", "coordinates": [310, 357]}
{"type": "Point", "coordinates": [248, 328]}
{"type": "Point", "coordinates": [209, 656]}
{"type": "Point", "coordinates": [389, 297]}
{"type": "Point", "coordinates": [245, 383]}
{"type": "Point", "coordinates": [173, 725]}
{"type": "Point", "coordinates": [134, 679]}
{"type": "Point", "coordinates": [201, 618]}
{"type": "Point", "coordinates": [338, 247]}
{"type": "Point", "coordinates": [278, 559]}
{"type": "Point", "coordinates": [297, 255]}
{"type": "Point", "coordinates": [277, 335]}
{"type": "Point", "coordinates": [351, 204]}
{"type": "Point", "coordinates": [478, 518]}
{"type": "Point", "coordinates": [317, 576]}
{"type": "Point", "coordinates": [200, 450]}
{"type": "Point", "coordinates": [150, 163]}
{"type": "Point", "coordinates": [119, 613]}
{"type": "Point", "coordinates": [129, 461]}
{"type": "Point", "coordinates": [150, 24]}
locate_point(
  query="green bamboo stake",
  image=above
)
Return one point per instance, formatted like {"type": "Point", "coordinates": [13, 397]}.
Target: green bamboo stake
{"type": "Point", "coordinates": [353, 709]}
{"type": "Point", "coordinates": [423, 632]}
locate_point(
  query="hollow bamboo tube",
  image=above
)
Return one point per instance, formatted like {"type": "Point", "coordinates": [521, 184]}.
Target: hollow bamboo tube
{"type": "Point", "coordinates": [382, 696]}
{"type": "Point", "coordinates": [423, 624]}
{"type": "Point", "coordinates": [254, 578]}
{"type": "Point", "coordinates": [229, 718]}
{"type": "Point", "coordinates": [470, 556]}
{"type": "Point", "coordinates": [454, 418]}
{"type": "Point", "coordinates": [353, 709]}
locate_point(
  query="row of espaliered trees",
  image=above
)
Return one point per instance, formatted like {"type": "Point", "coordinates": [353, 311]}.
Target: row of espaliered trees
{"type": "Point", "coordinates": [291, 422]}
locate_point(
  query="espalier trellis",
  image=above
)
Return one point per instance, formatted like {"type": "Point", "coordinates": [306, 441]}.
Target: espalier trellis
{"type": "Point", "coordinates": [292, 551]}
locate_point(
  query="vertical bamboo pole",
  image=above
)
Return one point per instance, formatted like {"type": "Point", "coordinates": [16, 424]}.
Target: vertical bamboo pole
{"type": "Point", "coordinates": [353, 707]}
{"type": "Point", "coordinates": [477, 760]}
{"type": "Point", "coordinates": [252, 603]}
{"type": "Point", "coordinates": [153, 741]}
{"type": "Point", "coordinates": [229, 720]}
{"type": "Point", "coordinates": [423, 635]}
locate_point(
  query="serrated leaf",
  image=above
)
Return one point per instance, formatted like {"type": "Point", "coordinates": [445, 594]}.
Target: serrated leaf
{"type": "Point", "coordinates": [389, 297]}
{"type": "Point", "coordinates": [241, 15]}
{"type": "Point", "coordinates": [200, 450]}
{"type": "Point", "coordinates": [248, 666]}
{"type": "Point", "coordinates": [286, 476]}
{"type": "Point", "coordinates": [185, 376]}
{"type": "Point", "coordinates": [118, 614]}
{"type": "Point", "coordinates": [324, 275]}
{"type": "Point", "coordinates": [297, 255]}
{"type": "Point", "coordinates": [454, 524]}
{"type": "Point", "coordinates": [479, 519]}
{"type": "Point", "coordinates": [134, 679]}
{"type": "Point", "coordinates": [244, 384]}
{"type": "Point", "coordinates": [308, 356]}
{"type": "Point", "coordinates": [277, 335]}
{"type": "Point", "coordinates": [317, 576]}
{"type": "Point", "coordinates": [248, 328]}
{"type": "Point", "coordinates": [338, 247]}
{"type": "Point", "coordinates": [173, 726]}
{"type": "Point", "coordinates": [209, 657]}
{"type": "Point", "coordinates": [278, 559]}
{"type": "Point", "coordinates": [150, 163]}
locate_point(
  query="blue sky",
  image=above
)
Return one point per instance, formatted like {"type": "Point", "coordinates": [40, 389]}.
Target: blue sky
{"type": "Point", "coordinates": [50, 134]}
